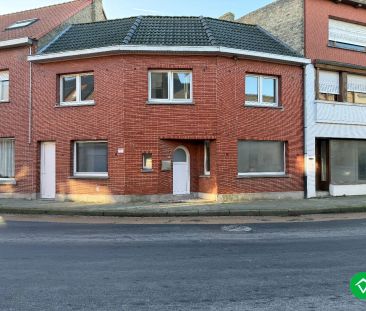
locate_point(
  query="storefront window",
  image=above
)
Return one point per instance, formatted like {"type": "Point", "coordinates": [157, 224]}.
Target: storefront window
{"type": "Point", "coordinates": [348, 162]}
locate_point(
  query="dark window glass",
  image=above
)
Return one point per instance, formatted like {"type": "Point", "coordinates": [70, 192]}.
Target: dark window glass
{"type": "Point", "coordinates": [269, 90]}
{"type": "Point", "coordinates": [182, 85]}
{"type": "Point", "coordinates": [87, 87]}
{"type": "Point", "coordinates": [91, 157]}
{"type": "Point", "coordinates": [251, 89]}
{"type": "Point", "coordinates": [147, 161]}
{"type": "Point", "coordinates": [159, 85]}
{"type": "Point", "coordinates": [260, 157]}
{"type": "Point", "coordinates": [69, 89]}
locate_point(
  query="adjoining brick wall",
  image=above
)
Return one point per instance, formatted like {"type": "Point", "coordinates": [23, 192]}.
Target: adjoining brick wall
{"type": "Point", "coordinates": [14, 118]}
{"type": "Point", "coordinates": [122, 116]}
{"type": "Point", "coordinates": [92, 13]}
{"type": "Point", "coordinates": [237, 122]}
{"type": "Point", "coordinates": [284, 19]}
{"type": "Point", "coordinates": [319, 12]}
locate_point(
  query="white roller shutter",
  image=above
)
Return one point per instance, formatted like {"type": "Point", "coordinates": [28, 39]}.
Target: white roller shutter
{"type": "Point", "coordinates": [347, 33]}
{"type": "Point", "coordinates": [356, 83]}
{"type": "Point", "coordinates": [328, 82]}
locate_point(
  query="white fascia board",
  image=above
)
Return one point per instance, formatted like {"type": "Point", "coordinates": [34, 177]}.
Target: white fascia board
{"type": "Point", "coordinates": [165, 49]}
{"type": "Point", "coordinates": [15, 42]}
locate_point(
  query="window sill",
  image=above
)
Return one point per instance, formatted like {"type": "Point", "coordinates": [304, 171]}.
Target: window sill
{"type": "Point", "coordinates": [347, 48]}
{"type": "Point", "coordinates": [61, 105]}
{"type": "Point", "coordinates": [146, 171]}
{"type": "Point", "coordinates": [170, 103]}
{"type": "Point", "coordinates": [262, 176]}
{"type": "Point", "coordinates": [250, 105]}
{"type": "Point", "coordinates": [4, 102]}
{"type": "Point", "coordinates": [88, 177]}
{"type": "Point", "coordinates": [8, 181]}
{"type": "Point", "coordinates": [205, 176]}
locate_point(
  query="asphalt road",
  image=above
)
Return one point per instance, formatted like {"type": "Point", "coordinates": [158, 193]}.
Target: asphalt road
{"type": "Point", "coordinates": [289, 266]}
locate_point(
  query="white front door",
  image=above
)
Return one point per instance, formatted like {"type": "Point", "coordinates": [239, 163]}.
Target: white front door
{"type": "Point", "coordinates": [48, 170]}
{"type": "Point", "coordinates": [181, 175]}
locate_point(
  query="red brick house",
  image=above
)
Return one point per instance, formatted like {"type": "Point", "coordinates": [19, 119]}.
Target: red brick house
{"type": "Point", "coordinates": [155, 108]}
{"type": "Point", "coordinates": [22, 34]}
{"type": "Point", "coordinates": [333, 35]}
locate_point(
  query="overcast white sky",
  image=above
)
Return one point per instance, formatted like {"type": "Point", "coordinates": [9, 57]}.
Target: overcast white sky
{"type": "Point", "coordinates": [124, 8]}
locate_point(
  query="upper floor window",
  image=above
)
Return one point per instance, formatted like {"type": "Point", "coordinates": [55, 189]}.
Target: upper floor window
{"type": "Point", "coordinates": [328, 85]}
{"type": "Point", "coordinates": [77, 89]}
{"type": "Point", "coordinates": [356, 89]}
{"type": "Point", "coordinates": [21, 24]}
{"type": "Point", "coordinates": [170, 86]}
{"type": "Point", "coordinates": [347, 35]}
{"type": "Point", "coordinates": [261, 91]}
{"type": "Point", "coordinates": [4, 86]}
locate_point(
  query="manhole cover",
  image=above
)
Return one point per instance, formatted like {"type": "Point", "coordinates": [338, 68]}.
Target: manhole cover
{"type": "Point", "coordinates": [236, 228]}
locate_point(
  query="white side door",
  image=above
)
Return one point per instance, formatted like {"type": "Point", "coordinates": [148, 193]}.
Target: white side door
{"type": "Point", "coordinates": [181, 175]}
{"type": "Point", "coordinates": [48, 170]}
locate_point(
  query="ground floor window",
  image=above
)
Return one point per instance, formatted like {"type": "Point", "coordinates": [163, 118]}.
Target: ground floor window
{"type": "Point", "coordinates": [261, 158]}
{"type": "Point", "coordinates": [348, 162]}
{"type": "Point", "coordinates": [207, 158]}
{"type": "Point", "coordinates": [7, 167]}
{"type": "Point", "coordinates": [91, 158]}
{"type": "Point", "coordinates": [147, 161]}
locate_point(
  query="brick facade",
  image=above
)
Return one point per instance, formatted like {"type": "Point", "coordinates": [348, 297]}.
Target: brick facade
{"type": "Point", "coordinates": [316, 34]}
{"type": "Point", "coordinates": [122, 116]}
{"type": "Point", "coordinates": [15, 115]}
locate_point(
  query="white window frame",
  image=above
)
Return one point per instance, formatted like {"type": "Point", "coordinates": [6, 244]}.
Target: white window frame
{"type": "Point", "coordinates": [88, 174]}
{"type": "Point", "coordinates": [7, 99]}
{"type": "Point", "coordinates": [171, 98]}
{"type": "Point", "coordinates": [78, 101]}
{"type": "Point", "coordinates": [260, 103]}
{"type": "Point", "coordinates": [259, 174]}
{"type": "Point", "coordinates": [22, 23]}
{"type": "Point", "coordinates": [144, 168]}
{"type": "Point", "coordinates": [207, 144]}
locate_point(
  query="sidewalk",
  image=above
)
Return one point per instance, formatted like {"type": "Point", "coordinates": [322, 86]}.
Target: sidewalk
{"type": "Point", "coordinates": [189, 208]}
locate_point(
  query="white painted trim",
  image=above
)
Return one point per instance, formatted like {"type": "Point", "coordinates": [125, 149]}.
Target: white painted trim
{"type": "Point", "coordinates": [78, 101]}
{"type": "Point", "coordinates": [165, 49]}
{"type": "Point", "coordinates": [88, 174]}
{"type": "Point", "coordinates": [171, 99]}
{"type": "Point", "coordinates": [15, 42]}
{"type": "Point", "coordinates": [260, 102]}
{"type": "Point", "coordinates": [342, 190]}
{"type": "Point", "coordinates": [188, 166]}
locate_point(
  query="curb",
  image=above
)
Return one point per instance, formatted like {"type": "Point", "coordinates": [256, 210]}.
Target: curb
{"type": "Point", "coordinates": [184, 213]}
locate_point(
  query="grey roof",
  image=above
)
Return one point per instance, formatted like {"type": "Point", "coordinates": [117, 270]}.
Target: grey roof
{"type": "Point", "coordinates": [168, 31]}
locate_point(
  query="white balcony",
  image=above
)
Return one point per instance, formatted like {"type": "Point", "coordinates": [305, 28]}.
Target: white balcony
{"type": "Point", "coordinates": [340, 113]}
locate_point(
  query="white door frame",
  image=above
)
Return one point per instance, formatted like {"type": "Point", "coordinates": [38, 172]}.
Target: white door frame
{"type": "Point", "coordinates": [188, 168]}
{"type": "Point", "coordinates": [48, 183]}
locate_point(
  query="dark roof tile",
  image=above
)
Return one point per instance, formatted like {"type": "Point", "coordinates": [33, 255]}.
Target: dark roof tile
{"type": "Point", "coordinates": [168, 31]}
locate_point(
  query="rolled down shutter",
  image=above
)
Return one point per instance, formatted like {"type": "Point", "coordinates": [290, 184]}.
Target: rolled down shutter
{"type": "Point", "coordinates": [4, 75]}
{"type": "Point", "coordinates": [356, 83]}
{"type": "Point", "coordinates": [329, 82]}
{"type": "Point", "coordinates": [347, 33]}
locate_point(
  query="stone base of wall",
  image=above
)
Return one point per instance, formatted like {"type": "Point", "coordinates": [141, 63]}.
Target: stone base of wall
{"type": "Point", "coordinates": [107, 199]}
{"type": "Point", "coordinates": [237, 197]}
{"type": "Point", "coordinates": [23, 196]}
{"type": "Point", "coordinates": [345, 190]}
